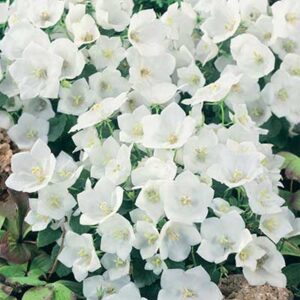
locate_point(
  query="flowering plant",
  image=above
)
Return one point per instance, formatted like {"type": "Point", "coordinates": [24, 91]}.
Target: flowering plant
{"type": "Point", "coordinates": [153, 147]}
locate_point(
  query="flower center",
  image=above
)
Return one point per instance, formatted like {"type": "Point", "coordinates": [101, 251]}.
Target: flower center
{"type": "Point", "coordinates": [137, 130]}
{"type": "Point", "coordinates": [237, 175]}
{"type": "Point", "coordinates": [45, 16]}
{"type": "Point", "coordinates": [291, 18]}
{"type": "Point", "coordinates": [55, 202]}
{"type": "Point", "coordinates": [189, 293]}
{"type": "Point", "coordinates": [152, 195]}
{"type": "Point", "coordinates": [40, 73]}
{"type": "Point", "coordinates": [38, 173]}
{"type": "Point", "coordinates": [107, 53]}
{"type": "Point", "coordinates": [134, 36]}
{"type": "Point", "coordinates": [105, 208]}
{"type": "Point", "coordinates": [151, 238]}
{"type": "Point", "coordinates": [172, 139]}
{"type": "Point", "coordinates": [283, 95]}
{"type": "Point", "coordinates": [258, 58]}
{"type": "Point", "coordinates": [186, 201]}
{"type": "Point", "coordinates": [32, 134]}
{"type": "Point", "coordinates": [77, 101]}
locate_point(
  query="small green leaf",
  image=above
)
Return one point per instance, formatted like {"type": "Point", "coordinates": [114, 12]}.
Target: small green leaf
{"type": "Point", "coordinates": [31, 281]}
{"type": "Point", "coordinates": [292, 274]}
{"type": "Point", "coordinates": [77, 227]}
{"type": "Point", "coordinates": [13, 270]}
{"type": "Point", "coordinates": [291, 247]}
{"type": "Point", "coordinates": [40, 265]}
{"type": "Point", "coordinates": [61, 292]}
{"type": "Point", "coordinates": [75, 287]}
{"type": "Point", "coordinates": [57, 127]}
{"type": "Point", "coordinates": [48, 236]}
{"type": "Point", "coordinates": [39, 293]}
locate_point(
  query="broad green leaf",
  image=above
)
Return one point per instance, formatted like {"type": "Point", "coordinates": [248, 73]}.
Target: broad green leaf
{"type": "Point", "coordinates": [291, 165]}
{"type": "Point", "coordinates": [41, 264]}
{"type": "Point", "coordinates": [77, 227]}
{"type": "Point", "coordinates": [13, 270]}
{"type": "Point", "coordinates": [75, 287]}
{"type": "Point", "coordinates": [61, 292]}
{"type": "Point", "coordinates": [57, 127]}
{"type": "Point", "coordinates": [291, 247]}
{"type": "Point", "coordinates": [31, 281]}
{"type": "Point", "coordinates": [292, 273]}
{"type": "Point", "coordinates": [48, 236]}
{"type": "Point", "coordinates": [39, 293]}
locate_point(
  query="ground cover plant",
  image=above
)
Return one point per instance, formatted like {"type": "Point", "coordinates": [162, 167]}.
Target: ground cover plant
{"type": "Point", "coordinates": [148, 149]}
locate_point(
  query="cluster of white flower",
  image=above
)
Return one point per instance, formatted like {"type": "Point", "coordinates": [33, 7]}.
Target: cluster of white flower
{"type": "Point", "coordinates": [147, 89]}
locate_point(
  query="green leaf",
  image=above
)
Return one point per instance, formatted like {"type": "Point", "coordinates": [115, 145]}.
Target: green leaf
{"type": "Point", "coordinates": [291, 165]}
{"type": "Point", "coordinates": [31, 281]}
{"type": "Point", "coordinates": [291, 247]}
{"type": "Point", "coordinates": [292, 274]}
{"type": "Point", "coordinates": [61, 270]}
{"type": "Point", "coordinates": [294, 201]}
{"type": "Point", "coordinates": [40, 265]}
{"type": "Point", "coordinates": [77, 227]}
{"type": "Point", "coordinates": [13, 270]}
{"type": "Point", "coordinates": [61, 292]}
{"type": "Point", "coordinates": [39, 293]}
{"type": "Point", "coordinates": [57, 127]}
{"type": "Point", "coordinates": [48, 236]}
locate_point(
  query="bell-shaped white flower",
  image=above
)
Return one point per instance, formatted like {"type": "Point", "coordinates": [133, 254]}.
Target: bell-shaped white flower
{"type": "Point", "coordinates": [291, 64]}
{"type": "Point", "coordinates": [28, 130]}
{"type": "Point", "coordinates": [262, 197]}
{"type": "Point", "coordinates": [55, 201]}
{"type": "Point", "coordinates": [169, 130]}
{"type": "Point", "coordinates": [155, 264]}
{"type": "Point", "coordinates": [176, 240]}
{"type": "Point", "coordinates": [74, 61]}
{"type": "Point", "coordinates": [131, 126]}
{"type": "Point", "coordinates": [116, 236]}
{"type": "Point", "coordinates": [39, 107]}
{"type": "Point", "coordinates": [66, 170]}
{"type": "Point", "coordinates": [222, 236]}
{"type": "Point", "coordinates": [107, 52]}
{"type": "Point", "coordinates": [224, 20]}
{"type": "Point", "coordinates": [37, 221]}
{"type": "Point", "coordinates": [200, 151]}
{"type": "Point", "coordinates": [252, 57]}
{"type": "Point", "coordinates": [268, 267]}
{"type": "Point", "coordinates": [37, 73]}
{"type": "Point", "coordinates": [147, 34]}
{"type": "Point", "coordinates": [115, 266]}
{"type": "Point", "coordinates": [146, 239]}
{"type": "Point", "coordinates": [186, 199]}
{"type": "Point", "coordinates": [76, 99]}
{"type": "Point", "coordinates": [278, 225]}
{"type": "Point", "coordinates": [149, 200]}
{"type": "Point", "coordinates": [32, 171]}
{"type": "Point", "coordinates": [129, 291]}
{"type": "Point", "coordinates": [79, 254]}
{"type": "Point", "coordinates": [101, 286]}
{"type": "Point", "coordinates": [6, 121]}
{"type": "Point", "coordinates": [113, 14]}
{"type": "Point", "coordinates": [206, 50]}
{"type": "Point", "coordinates": [18, 37]}
{"type": "Point", "coordinates": [194, 283]}
{"type": "Point", "coordinates": [99, 112]}
{"type": "Point", "coordinates": [99, 203]}
{"type": "Point", "coordinates": [221, 207]}
{"type": "Point", "coordinates": [45, 13]}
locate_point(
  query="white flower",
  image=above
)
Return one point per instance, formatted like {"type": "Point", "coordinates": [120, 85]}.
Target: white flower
{"type": "Point", "coordinates": [221, 207]}
{"type": "Point", "coordinates": [149, 200]}
{"type": "Point", "coordinates": [286, 18]}
{"type": "Point", "coordinates": [206, 50]}
{"type": "Point", "coordinates": [86, 139]}
{"type": "Point", "coordinates": [76, 99]}
{"type": "Point", "coordinates": [108, 83]}
{"type": "Point", "coordinates": [200, 151]}
{"type": "Point", "coordinates": [186, 199]}
{"type": "Point", "coordinates": [18, 37]}
{"type": "Point", "coordinates": [85, 31]}
{"type": "Point", "coordinates": [250, 255]}
{"type": "Point", "coordinates": [37, 221]}
{"type": "Point", "coordinates": [262, 198]}
{"type": "Point", "coordinates": [190, 78]}
{"type": "Point", "coordinates": [113, 14]}
{"type": "Point", "coordinates": [129, 291]}
{"type": "Point", "coordinates": [75, 14]}
{"type": "Point", "coordinates": [55, 201]}
{"type": "Point", "coordinates": [79, 254]}
{"type": "Point", "coordinates": [101, 286]}
{"type": "Point", "coordinates": [222, 236]}
{"type": "Point", "coordinates": [28, 130]}
{"type": "Point", "coordinates": [73, 63]}
{"type": "Point", "coordinates": [284, 46]}
{"type": "Point", "coordinates": [146, 239]}
{"type": "Point", "coordinates": [194, 283]}
{"type": "Point", "coordinates": [153, 168]}
{"type": "Point", "coordinates": [155, 264]}
{"type": "Point", "coordinates": [279, 225]}
{"type": "Point", "coordinates": [116, 236]}
{"type": "Point", "coordinates": [147, 34]}
{"type": "Point", "coordinates": [291, 64]}
{"type": "Point", "coordinates": [236, 166]}
{"type": "Point", "coordinates": [99, 112]}
{"type": "Point", "coordinates": [6, 121]}
{"type": "Point", "coordinates": [107, 52]}
{"type": "Point", "coordinates": [99, 203]}
{"type": "Point", "coordinates": [39, 107]}
{"type": "Point", "coordinates": [45, 13]}
{"type": "Point", "coordinates": [66, 170]}
{"type": "Point", "coordinates": [268, 267]}
{"type": "Point", "coordinates": [131, 126]}
{"type": "Point", "coordinates": [32, 171]}
{"type": "Point", "coordinates": [223, 21]}
{"type": "Point", "coordinates": [37, 73]}
{"type": "Point", "coordinates": [115, 266]}
{"type": "Point", "coordinates": [176, 240]}
{"type": "Point", "coordinates": [252, 57]}
{"type": "Point", "coordinates": [169, 130]}
{"type": "Point", "coordinates": [251, 10]}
